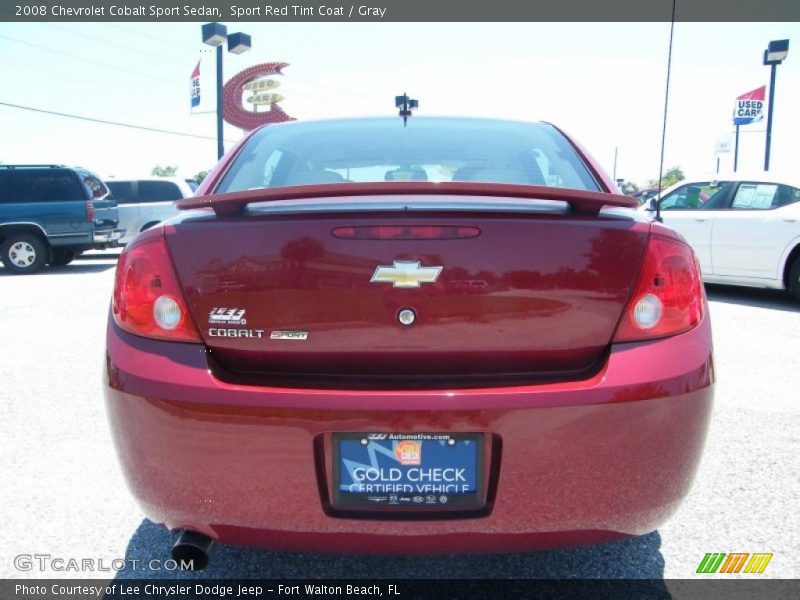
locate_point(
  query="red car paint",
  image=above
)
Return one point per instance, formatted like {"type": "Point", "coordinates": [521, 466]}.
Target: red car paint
{"type": "Point", "coordinates": [292, 273]}
{"type": "Point", "coordinates": [580, 462]}
{"type": "Point", "coordinates": [586, 439]}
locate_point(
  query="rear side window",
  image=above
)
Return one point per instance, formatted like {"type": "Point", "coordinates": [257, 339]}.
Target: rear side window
{"type": "Point", "coordinates": [428, 149]}
{"type": "Point", "coordinates": [763, 196]}
{"type": "Point", "coordinates": [40, 185]}
{"type": "Point", "coordinates": [786, 195]}
{"type": "Point", "coordinates": [122, 190]}
{"type": "Point", "coordinates": [158, 191]}
{"type": "Point", "coordinates": [94, 184]}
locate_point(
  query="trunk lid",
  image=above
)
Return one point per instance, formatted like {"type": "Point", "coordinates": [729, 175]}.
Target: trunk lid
{"type": "Point", "coordinates": [316, 297]}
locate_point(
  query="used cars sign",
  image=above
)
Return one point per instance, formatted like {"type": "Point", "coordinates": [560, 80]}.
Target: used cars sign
{"type": "Point", "coordinates": [749, 107]}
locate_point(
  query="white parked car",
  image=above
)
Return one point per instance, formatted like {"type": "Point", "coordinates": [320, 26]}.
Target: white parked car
{"type": "Point", "coordinates": [744, 227]}
{"type": "Point", "coordinates": [145, 201]}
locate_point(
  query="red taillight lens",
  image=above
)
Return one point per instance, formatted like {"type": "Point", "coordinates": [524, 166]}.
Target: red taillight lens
{"type": "Point", "coordinates": [406, 232]}
{"type": "Point", "coordinates": [668, 298]}
{"type": "Point", "coordinates": [90, 212]}
{"type": "Point", "coordinates": [147, 298]}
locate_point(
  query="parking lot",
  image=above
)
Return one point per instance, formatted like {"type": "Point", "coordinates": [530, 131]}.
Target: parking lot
{"type": "Point", "coordinates": [63, 493]}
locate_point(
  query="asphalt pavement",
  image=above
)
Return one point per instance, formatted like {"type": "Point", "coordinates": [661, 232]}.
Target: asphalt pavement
{"type": "Point", "coordinates": [63, 495]}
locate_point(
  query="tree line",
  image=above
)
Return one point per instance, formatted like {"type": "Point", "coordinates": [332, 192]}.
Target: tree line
{"type": "Point", "coordinates": [169, 171]}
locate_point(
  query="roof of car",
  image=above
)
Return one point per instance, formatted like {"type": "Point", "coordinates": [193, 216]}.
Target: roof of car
{"type": "Point", "coordinates": [145, 178]}
{"type": "Point", "coordinates": [33, 166]}
{"type": "Point", "coordinates": [395, 119]}
{"type": "Point", "coordinates": [785, 177]}
{"type": "Point", "coordinates": [425, 121]}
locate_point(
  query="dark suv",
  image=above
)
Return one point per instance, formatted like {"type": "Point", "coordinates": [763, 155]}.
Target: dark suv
{"type": "Point", "coordinates": [51, 213]}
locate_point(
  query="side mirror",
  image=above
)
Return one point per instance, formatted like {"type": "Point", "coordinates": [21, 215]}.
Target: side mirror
{"type": "Point", "coordinates": [652, 205]}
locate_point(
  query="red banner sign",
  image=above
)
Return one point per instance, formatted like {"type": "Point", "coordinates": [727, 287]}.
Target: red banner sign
{"type": "Point", "coordinates": [235, 113]}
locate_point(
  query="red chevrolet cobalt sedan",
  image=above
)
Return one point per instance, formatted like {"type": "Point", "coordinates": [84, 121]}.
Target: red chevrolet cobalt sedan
{"type": "Point", "coordinates": [445, 337]}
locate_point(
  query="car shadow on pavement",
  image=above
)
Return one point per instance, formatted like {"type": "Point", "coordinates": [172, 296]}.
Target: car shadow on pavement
{"type": "Point", "coordinates": [96, 255]}
{"type": "Point", "coordinates": [78, 268]}
{"type": "Point", "coordinates": [73, 269]}
{"type": "Point", "coordinates": [756, 297]}
{"type": "Point", "coordinates": [633, 558]}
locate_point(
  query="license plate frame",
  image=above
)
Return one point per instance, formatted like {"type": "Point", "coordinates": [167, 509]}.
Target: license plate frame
{"type": "Point", "coordinates": [414, 501]}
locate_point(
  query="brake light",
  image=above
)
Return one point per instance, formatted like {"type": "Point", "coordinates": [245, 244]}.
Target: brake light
{"type": "Point", "coordinates": [669, 296]}
{"type": "Point", "coordinates": [147, 298]}
{"type": "Point", "coordinates": [89, 211]}
{"type": "Point", "coordinates": [406, 232]}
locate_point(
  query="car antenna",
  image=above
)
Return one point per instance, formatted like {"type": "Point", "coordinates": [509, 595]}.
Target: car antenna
{"type": "Point", "coordinates": [406, 105]}
{"type": "Point", "coordinates": [664, 127]}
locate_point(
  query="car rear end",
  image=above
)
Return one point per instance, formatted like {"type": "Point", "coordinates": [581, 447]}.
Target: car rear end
{"type": "Point", "coordinates": [501, 360]}
{"type": "Point", "coordinates": [104, 214]}
{"type": "Point", "coordinates": [145, 202]}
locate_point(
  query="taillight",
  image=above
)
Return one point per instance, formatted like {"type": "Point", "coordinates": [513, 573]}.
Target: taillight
{"type": "Point", "coordinates": [89, 211]}
{"type": "Point", "coordinates": [147, 298]}
{"type": "Point", "coordinates": [668, 298]}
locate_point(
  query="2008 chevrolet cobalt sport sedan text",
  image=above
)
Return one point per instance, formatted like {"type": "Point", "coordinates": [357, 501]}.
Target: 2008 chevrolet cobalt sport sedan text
{"type": "Point", "coordinates": [448, 337]}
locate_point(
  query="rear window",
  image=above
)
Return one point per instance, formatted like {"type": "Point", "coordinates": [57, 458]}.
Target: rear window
{"type": "Point", "coordinates": [764, 196]}
{"type": "Point", "coordinates": [39, 185]}
{"type": "Point", "coordinates": [428, 149]}
{"type": "Point", "coordinates": [158, 191]}
{"type": "Point", "coordinates": [122, 190]}
{"type": "Point", "coordinates": [145, 191]}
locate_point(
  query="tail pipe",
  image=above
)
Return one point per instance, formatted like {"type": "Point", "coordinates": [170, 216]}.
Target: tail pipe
{"type": "Point", "coordinates": [191, 550]}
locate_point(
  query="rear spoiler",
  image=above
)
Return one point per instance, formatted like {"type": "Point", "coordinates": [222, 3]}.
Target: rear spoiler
{"type": "Point", "coordinates": [580, 201]}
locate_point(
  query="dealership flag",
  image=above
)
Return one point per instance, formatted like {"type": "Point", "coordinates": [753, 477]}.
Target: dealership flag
{"type": "Point", "coordinates": [196, 86]}
{"type": "Point", "coordinates": [749, 107]}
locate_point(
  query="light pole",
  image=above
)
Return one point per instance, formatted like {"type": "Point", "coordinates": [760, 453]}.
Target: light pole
{"type": "Point", "coordinates": [773, 56]}
{"type": "Point", "coordinates": [215, 34]}
{"type": "Point", "coordinates": [615, 163]}
{"type": "Point", "coordinates": [406, 105]}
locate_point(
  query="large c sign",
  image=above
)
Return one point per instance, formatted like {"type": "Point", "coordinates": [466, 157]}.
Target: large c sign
{"type": "Point", "coordinates": [234, 111]}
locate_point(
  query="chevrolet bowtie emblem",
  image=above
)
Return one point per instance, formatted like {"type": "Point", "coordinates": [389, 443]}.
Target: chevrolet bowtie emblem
{"type": "Point", "coordinates": [405, 274]}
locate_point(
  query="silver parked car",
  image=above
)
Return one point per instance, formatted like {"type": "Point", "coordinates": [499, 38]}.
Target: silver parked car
{"type": "Point", "coordinates": [146, 201]}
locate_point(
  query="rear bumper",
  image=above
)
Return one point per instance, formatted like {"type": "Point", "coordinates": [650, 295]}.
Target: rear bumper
{"type": "Point", "coordinates": [107, 236]}
{"type": "Point", "coordinates": [577, 462]}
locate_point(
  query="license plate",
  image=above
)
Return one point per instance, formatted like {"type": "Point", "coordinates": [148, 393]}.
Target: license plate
{"type": "Point", "coordinates": [423, 471]}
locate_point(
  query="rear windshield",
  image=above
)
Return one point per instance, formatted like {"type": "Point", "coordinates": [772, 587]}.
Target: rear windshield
{"type": "Point", "coordinates": [121, 190]}
{"type": "Point", "coordinates": [158, 191]}
{"type": "Point", "coordinates": [370, 150]}
{"type": "Point", "coordinates": [145, 191]}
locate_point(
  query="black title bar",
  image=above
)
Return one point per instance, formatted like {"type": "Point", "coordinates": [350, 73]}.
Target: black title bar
{"type": "Point", "coordinates": [398, 10]}
{"type": "Point", "coordinates": [401, 589]}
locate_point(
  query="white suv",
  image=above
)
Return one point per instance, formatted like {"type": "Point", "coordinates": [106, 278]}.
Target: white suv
{"type": "Point", "coordinates": [146, 201]}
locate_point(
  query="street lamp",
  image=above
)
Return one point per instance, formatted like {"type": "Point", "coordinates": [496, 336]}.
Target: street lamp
{"type": "Point", "coordinates": [239, 43]}
{"type": "Point", "coordinates": [215, 34]}
{"type": "Point", "coordinates": [774, 55]}
{"type": "Point", "coordinates": [406, 105]}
